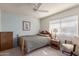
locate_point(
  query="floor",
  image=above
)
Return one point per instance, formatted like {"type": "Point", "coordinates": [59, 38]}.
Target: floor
{"type": "Point", "coordinates": [46, 51]}
{"type": "Point", "coordinates": [11, 52]}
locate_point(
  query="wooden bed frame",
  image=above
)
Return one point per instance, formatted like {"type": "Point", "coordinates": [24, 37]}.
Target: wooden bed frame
{"type": "Point", "coordinates": [21, 44]}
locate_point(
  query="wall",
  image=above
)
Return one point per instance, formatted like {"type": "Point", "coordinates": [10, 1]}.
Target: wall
{"type": "Point", "coordinates": [44, 23]}
{"type": "Point", "coordinates": [0, 20]}
{"type": "Point", "coordinates": [13, 22]}
{"type": "Point", "coordinates": [35, 25]}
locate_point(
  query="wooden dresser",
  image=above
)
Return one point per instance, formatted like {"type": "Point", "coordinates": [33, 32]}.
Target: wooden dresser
{"type": "Point", "coordinates": [6, 40]}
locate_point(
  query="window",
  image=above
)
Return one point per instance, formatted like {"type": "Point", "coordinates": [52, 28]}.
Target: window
{"type": "Point", "coordinates": [55, 25]}
{"type": "Point", "coordinates": [68, 25]}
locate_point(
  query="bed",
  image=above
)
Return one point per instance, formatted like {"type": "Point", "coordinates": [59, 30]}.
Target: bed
{"type": "Point", "coordinates": [32, 42]}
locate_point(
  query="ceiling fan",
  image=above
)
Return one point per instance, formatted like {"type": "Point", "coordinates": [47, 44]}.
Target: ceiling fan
{"type": "Point", "coordinates": [37, 6]}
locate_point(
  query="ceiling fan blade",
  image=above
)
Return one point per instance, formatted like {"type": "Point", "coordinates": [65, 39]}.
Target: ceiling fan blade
{"type": "Point", "coordinates": [42, 10]}
{"type": "Point", "coordinates": [36, 6]}
{"type": "Point", "coordinates": [39, 4]}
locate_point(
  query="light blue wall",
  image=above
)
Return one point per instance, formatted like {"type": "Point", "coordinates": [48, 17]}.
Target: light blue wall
{"type": "Point", "coordinates": [13, 22]}
{"type": "Point", "coordinates": [10, 22]}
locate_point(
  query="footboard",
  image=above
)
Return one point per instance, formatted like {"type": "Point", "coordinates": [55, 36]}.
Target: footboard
{"type": "Point", "coordinates": [21, 44]}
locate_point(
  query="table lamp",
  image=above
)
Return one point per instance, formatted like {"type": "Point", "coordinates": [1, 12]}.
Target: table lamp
{"type": "Point", "coordinates": [55, 31]}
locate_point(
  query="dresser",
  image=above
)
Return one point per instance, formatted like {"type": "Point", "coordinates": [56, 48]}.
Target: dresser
{"type": "Point", "coordinates": [6, 40]}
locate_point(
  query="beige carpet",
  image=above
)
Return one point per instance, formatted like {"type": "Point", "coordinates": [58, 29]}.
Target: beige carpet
{"type": "Point", "coordinates": [46, 51]}
{"type": "Point", "coordinates": [11, 52]}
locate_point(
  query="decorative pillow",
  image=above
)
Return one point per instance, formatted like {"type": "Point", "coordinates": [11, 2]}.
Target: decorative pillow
{"type": "Point", "coordinates": [45, 33]}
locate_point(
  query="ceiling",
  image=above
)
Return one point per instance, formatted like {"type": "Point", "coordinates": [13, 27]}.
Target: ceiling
{"type": "Point", "coordinates": [27, 8]}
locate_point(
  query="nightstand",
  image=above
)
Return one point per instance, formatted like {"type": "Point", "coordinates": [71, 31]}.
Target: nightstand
{"type": "Point", "coordinates": [55, 43]}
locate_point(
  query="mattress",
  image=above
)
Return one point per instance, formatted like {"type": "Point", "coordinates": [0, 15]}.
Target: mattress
{"type": "Point", "coordinates": [35, 41]}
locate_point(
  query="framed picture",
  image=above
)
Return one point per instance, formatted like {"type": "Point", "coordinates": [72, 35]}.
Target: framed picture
{"type": "Point", "coordinates": [26, 25]}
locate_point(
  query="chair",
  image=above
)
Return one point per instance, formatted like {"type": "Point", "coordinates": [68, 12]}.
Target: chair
{"type": "Point", "coordinates": [68, 47]}
{"type": "Point", "coordinates": [76, 50]}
